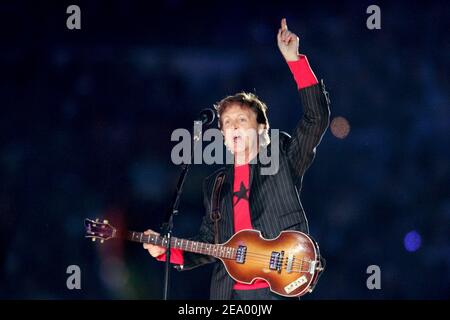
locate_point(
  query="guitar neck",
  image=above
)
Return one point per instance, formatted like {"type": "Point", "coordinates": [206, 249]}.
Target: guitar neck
{"type": "Point", "coordinates": [215, 250]}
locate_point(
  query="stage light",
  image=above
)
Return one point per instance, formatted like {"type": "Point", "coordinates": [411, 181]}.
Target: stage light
{"type": "Point", "coordinates": [340, 127]}
{"type": "Point", "coordinates": [412, 241]}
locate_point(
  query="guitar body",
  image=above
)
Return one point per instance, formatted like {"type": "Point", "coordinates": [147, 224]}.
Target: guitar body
{"type": "Point", "coordinates": [290, 263]}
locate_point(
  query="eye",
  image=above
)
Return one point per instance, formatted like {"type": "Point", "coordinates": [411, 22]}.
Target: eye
{"type": "Point", "coordinates": [242, 119]}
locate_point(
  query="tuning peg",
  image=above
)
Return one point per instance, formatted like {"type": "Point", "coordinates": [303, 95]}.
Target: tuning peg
{"type": "Point", "coordinates": [93, 239]}
{"type": "Point", "coordinates": [105, 221]}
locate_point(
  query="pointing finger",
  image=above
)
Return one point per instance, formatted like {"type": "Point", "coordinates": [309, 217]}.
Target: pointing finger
{"type": "Point", "coordinates": [283, 24]}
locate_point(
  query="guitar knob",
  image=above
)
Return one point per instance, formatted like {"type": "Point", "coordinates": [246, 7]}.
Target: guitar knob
{"type": "Point", "coordinates": [105, 221]}
{"type": "Point", "coordinates": [96, 220]}
{"type": "Point", "coordinates": [101, 241]}
{"type": "Point", "coordinates": [93, 239]}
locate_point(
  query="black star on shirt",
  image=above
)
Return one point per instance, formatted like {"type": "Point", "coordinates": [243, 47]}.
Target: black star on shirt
{"type": "Point", "coordinates": [241, 194]}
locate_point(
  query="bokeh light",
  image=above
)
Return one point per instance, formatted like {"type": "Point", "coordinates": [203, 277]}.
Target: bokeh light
{"type": "Point", "coordinates": [412, 241]}
{"type": "Point", "coordinates": [340, 127]}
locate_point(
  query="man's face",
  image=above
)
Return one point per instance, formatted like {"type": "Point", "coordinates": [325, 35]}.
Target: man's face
{"type": "Point", "coordinates": [239, 127]}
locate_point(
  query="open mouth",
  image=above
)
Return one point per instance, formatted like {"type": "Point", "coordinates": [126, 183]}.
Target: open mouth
{"type": "Point", "coordinates": [237, 139]}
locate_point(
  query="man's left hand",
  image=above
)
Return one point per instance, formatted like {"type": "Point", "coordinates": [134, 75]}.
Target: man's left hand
{"type": "Point", "coordinates": [288, 42]}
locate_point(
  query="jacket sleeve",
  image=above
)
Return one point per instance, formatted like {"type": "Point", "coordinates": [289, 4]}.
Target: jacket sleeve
{"type": "Point", "coordinates": [307, 135]}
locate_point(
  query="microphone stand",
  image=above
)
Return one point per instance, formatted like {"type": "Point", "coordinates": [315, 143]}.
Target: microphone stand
{"type": "Point", "coordinates": [166, 228]}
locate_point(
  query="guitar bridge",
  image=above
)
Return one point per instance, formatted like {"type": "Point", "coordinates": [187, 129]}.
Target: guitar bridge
{"type": "Point", "coordinates": [290, 263]}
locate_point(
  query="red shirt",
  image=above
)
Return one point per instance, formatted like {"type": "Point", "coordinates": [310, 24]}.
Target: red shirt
{"type": "Point", "coordinates": [242, 220]}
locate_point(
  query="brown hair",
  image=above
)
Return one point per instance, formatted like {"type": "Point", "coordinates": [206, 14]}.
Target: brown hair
{"type": "Point", "coordinates": [244, 99]}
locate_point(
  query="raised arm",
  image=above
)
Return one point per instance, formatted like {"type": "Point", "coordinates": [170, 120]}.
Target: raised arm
{"type": "Point", "coordinates": [316, 114]}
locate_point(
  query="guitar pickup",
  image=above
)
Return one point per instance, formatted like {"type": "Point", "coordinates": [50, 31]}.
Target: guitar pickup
{"type": "Point", "coordinates": [274, 257]}
{"type": "Point", "coordinates": [280, 262]}
{"type": "Point", "coordinates": [276, 260]}
{"type": "Point", "coordinates": [240, 254]}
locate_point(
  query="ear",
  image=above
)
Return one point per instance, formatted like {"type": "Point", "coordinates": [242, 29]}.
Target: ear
{"type": "Point", "coordinates": [261, 128]}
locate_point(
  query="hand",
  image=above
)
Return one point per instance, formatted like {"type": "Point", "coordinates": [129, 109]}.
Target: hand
{"type": "Point", "coordinates": [154, 250]}
{"type": "Point", "coordinates": [288, 42]}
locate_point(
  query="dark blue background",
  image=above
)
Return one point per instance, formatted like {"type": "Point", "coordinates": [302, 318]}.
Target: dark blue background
{"type": "Point", "coordinates": [86, 119]}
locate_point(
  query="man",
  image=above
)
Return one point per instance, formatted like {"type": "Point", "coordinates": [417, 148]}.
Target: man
{"type": "Point", "coordinates": [249, 199]}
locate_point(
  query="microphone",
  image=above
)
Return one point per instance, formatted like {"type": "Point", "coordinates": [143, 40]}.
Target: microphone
{"type": "Point", "coordinates": [206, 116]}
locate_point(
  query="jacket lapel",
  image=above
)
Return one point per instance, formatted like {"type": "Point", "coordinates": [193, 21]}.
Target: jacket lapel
{"type": "Point", "coordinates": [227, 208]}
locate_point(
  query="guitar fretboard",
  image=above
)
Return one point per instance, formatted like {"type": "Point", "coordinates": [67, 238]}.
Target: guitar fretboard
{"type": "Point", "coordinates": [216, 250]}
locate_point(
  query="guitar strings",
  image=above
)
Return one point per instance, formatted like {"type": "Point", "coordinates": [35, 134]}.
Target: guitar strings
{"type": "Point", "coordinates": [298, 263]}
{"type": "Point", "coordinates": [233, 252]}
{"type": "Point", "coordinates": [254, 255]}
{"type": "Point", "coordinates": [263, 257]}
{"type": "Point", "coordinates": [299, 270]}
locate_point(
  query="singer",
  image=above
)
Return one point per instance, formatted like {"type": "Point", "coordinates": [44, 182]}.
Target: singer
{"type": "Point", "coordinates": [249, 200]}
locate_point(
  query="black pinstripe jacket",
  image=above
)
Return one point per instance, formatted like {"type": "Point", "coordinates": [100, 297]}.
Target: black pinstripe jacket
{"type": "Point", "coordinates": [274, 199]}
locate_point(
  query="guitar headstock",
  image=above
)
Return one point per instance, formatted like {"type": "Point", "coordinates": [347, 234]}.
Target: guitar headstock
{"type": "Point", "coordinates": [99, 230]}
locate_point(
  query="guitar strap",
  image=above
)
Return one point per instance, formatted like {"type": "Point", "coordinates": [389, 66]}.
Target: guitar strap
{"type": "Point", "coordinates": [215, 204]}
